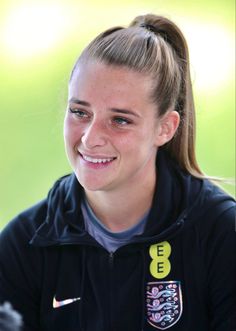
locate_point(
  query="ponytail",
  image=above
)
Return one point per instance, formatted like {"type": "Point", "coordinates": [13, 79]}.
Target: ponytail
{"type": "Point", "coordinates": [182, 146]}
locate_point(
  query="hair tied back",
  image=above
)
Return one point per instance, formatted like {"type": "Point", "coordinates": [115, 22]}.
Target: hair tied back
{"type": "Point", "coordinates": [149, 27]}
{"type": "Point", "coordinates": [161, 32]}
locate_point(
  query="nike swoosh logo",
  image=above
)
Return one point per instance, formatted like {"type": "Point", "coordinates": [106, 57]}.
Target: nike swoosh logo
{"type": "Point", "coordinates": [57, 304]}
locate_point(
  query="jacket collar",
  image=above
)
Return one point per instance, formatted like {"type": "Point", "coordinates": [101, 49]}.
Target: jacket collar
{"type": "Point", "coordinates": [176, 197]}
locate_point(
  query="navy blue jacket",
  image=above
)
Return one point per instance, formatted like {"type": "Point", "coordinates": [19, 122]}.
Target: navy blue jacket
{"type": "Point", "coordinates": [180, 274]}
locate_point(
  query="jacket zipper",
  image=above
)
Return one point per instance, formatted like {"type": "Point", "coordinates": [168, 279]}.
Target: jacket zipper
{"type": "Point", "coordinates": [111, 265]}
{"type": "Point", "coordinates": [111, 259]}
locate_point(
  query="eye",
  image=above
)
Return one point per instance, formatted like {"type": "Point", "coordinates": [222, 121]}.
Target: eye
{"type": "Point", "coordinates": [79, 112]}
{"type": "Point", "coordinates": [122, 121]}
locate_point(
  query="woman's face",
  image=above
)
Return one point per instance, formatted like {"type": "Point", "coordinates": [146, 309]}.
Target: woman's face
{"type": "Point", "coordinates": [111, 128]}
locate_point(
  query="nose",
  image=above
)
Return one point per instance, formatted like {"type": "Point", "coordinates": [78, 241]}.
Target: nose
{"type": "Point", "coordinates": [94, 135]}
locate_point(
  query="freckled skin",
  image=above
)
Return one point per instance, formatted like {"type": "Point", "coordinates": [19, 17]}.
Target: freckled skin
{"type": "Point", "coordinates": [98, 133]}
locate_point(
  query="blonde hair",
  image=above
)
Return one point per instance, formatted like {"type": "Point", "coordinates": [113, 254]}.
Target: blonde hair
{"type": "Point", "coordinates": [155, 46]}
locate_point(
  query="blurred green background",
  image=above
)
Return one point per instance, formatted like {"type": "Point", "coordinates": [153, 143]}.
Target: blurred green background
{"type": "Point", "coordinates": [40, 41]}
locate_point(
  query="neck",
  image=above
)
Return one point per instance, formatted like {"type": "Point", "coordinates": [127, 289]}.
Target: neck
{"type": "Point", "coordinates": [121, 209]}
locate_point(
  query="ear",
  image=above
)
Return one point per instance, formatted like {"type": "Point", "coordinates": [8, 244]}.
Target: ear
{"type": "Point", "coordinates": [167, 126]}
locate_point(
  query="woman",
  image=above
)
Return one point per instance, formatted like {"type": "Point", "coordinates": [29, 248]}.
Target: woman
{"type": "Point", "coordinates": [135, 239]}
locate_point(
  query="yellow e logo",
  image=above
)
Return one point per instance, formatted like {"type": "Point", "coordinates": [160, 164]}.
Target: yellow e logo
{"type": "Point", "coordinates": [160, 265]}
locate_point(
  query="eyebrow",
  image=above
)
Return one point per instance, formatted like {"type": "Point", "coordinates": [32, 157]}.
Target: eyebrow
{"type": "Point", "coordinates": [124, 111]}
{"type": "Point", "coordinates": [114, 110]}
{"type": "Point", "coordinates": [80, 102]}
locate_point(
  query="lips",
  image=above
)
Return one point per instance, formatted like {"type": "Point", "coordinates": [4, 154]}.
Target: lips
{"type": "Point", "coordinates": [97, 160]}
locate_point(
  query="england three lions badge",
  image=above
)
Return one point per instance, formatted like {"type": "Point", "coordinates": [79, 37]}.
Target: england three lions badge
{"type": "Point", "coordinates": [164, 303]}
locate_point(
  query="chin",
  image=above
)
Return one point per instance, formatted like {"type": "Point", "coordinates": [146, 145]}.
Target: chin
{"type": "Point", "coordinates": [90, 184]}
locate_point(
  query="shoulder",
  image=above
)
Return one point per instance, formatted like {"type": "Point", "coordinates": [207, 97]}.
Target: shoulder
{"type": "Point", "coordinates": [213, 216]}
{"type": "Point", "coordinates": [20, 230]}
{"type": "Point", "coordinates": [215, 203]}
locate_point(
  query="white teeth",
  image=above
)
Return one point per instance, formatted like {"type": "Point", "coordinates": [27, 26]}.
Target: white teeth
{"type": "Point", "coordinates": [90, 159]}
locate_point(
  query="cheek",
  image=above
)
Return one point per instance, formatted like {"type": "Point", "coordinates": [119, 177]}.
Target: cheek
{"type": "Point", "coordinates": [137, 144]}
{"type": "Point", "coordinates": [71, 131]}
{"type": "Point", "coordinates": [128, 143]}
{"type": "Point", "coordinates": [66, 129]}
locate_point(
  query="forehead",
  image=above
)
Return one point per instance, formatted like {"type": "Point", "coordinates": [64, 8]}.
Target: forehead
{"type": "Point", "coordinates": [98, 80]}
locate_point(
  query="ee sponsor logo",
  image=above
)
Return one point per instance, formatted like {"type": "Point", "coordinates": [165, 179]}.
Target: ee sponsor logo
{"type": "Point", "coordinates": [160, 265]}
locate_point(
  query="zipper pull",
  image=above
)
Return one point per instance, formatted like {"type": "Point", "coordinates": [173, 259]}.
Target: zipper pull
{"type": "Point", "coordinates": [111, 259]}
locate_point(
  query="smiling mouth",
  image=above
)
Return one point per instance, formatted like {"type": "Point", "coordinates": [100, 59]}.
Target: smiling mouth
{"type": "Point", "coordinates": [97, 160]}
